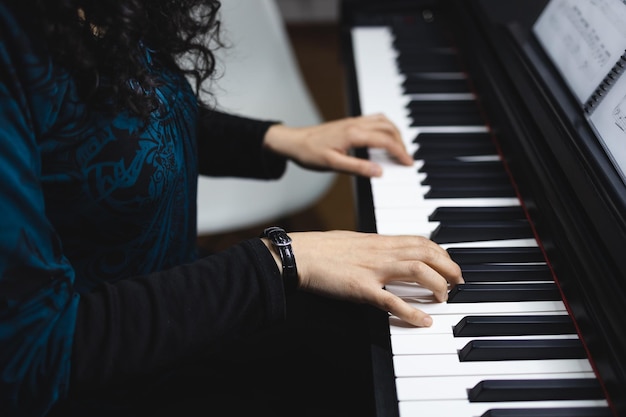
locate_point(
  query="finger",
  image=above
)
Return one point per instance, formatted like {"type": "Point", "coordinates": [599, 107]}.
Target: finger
{"type": "Point", "coordinates": [382, 123]}
{"type": "Point", "coordinates": [432, 254]}
{"type": "Point", "coordinates": [363, 136]}
{"type": "Point", "coordinates": [382, 128]}
{"type": "Point", "coordinates": [353, 165]}
{"type": "Point", "coordinates": [393, 304]}
{"type": "Point", "coordinates": [397, 150]}
{"type": "Point", "coordinates": [419, 273]}
{"type": "Point", "coordinates": [439, 260]}
{"type": "Point", "coordinates": [385, 123]}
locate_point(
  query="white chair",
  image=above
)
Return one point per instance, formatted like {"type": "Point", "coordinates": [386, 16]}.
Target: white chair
{"type": "Point", "coordinates": [260, 78]}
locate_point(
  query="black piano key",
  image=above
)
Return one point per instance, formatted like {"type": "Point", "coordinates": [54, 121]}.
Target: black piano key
{"type": "Point", "coordinates": [459, 166]}
{"type": "Point", "coordinates": [441, 53]}
{"type": "Point", "coordinates": [431, 37]}
{"type": "Point", "coordinates": [443, 110]}
{"type": "Point", "coordinates": [454, 232]}
{"type": "Point", "coordinates": [429, 62]}
{"type": "Point", "coordinates": [520, 350]}
{"type": "Point", "coordinates": [442, 214]}
{"type": "Point", "coordinates": [459, 119]}
{"type": "Point", "coordinates": [416, 84]}
{"type": "Point", "coordinates": [404, 43]}
{"type": "Point", "coordinates": [420, 66]}
{"type": "Point", "coordinates": [443, 106]}
{"type": "Point", "coordinates": [416, 28]}
{"type": "Point", "coordinates": [450, 150]}
{"type": "Point", "coordinates": [452, 139]}
{"type": "Point", "coordinates": [496, 255]}
{"type": "Point", "coordinates": [550, 412]}
{"type": "Point", "coordinates": [461, 173]}
{"type": "Point", "coordinates": [500, 179]}
{"type": "Point", "coordinates": [505, 272]}
{"type": "Point", "coordinates": [422, 36]}
{"type": "Point", "coordinates": [486, 191]}
{"type": "Point", "coordinates": [523, 325]}
{"type": "Point", "coordinates": [536, 390]}
{"type": "Point", "coordinates": [427, 33]}
{"type": "Point", "coordinates": [495, 293]}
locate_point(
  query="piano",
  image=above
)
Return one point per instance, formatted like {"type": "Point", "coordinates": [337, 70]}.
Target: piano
{"type": "Point", "coordinates": [512, 179]}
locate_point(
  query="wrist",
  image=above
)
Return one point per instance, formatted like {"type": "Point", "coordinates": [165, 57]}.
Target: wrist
{"type": "Point", "coordinates": [280, 139]}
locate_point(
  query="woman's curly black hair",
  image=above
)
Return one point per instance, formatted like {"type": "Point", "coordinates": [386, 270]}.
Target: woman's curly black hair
{"type": "Point", "coordinates": [104, 39]}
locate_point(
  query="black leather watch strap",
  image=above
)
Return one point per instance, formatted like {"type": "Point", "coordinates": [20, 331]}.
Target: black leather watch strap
{"type": "Point", "coordinates": [282, 242]}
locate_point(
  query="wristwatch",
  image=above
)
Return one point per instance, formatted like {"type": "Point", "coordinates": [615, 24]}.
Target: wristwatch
{"type": "Point", "coordinates": [282, 242]}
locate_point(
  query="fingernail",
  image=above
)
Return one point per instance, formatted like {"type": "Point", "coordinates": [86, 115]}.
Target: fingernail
{"type": "Point", "coordinates": [427, 321]}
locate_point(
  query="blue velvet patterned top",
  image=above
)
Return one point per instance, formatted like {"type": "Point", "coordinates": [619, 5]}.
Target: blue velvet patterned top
{"type": "Point", "coordinates": [85, 198]}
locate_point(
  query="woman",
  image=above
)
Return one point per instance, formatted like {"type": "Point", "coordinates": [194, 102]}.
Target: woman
{"type": "Point", "coordinates": [101, 142]}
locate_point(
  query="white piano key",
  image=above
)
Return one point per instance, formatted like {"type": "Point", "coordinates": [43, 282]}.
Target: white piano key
{"type": "Point", "coordinates": [383, 157]}
{"type": "Point", "coordinates": [444, 323]}
{"type": "Point", "coordinates": [461, 408]}
{"type": "Point", "coordinates": [414, 220]}
{"type": "Point", "coordinates": [455, 387]}
{"type": "Point", "coordinates": [453, 129]}
{"type": "Point", "coordinates": [432, 308]}
{"type": "Point", "coordinates": [479, 158]}
{"type": "Point", "coordinates": [441, 96]}
{"type": "Point", "coordinates": [449, 365]}
{"type": "Point", "coordinates": [445, 75]}
{"type": "Point", "coordinates": [529, 243]}
{"type": "Point", "coordinates": [404, 223]}
{"type": "Point", "coordinates": [412, 291]}
{"type": "Point", "coordinates": [432, 344]}
{"type": "Point", "coordinates": [401, 222]}
{"type": "Point", "coordinates": [397, 228]}
{"type": "Point", "coordinates": [401, 195]}
{"type": "Point", "coordinates": [402, 214]}
{"type": "Point", "coordinates": [386, 215]}
{"type": "Point", "coordinates": [422, 298]}
{"type": "Point", "coordinates": [400, 175]}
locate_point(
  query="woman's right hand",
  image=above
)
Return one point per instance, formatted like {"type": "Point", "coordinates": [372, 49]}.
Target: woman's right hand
{"type": "Point", "coordinates": [356, 266]}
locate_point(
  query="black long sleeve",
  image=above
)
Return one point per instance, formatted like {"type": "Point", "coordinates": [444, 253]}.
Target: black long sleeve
{"type": "Point", "coordinates": [230, 145]}
{"type": "Point", "coordinates": [143, 324]}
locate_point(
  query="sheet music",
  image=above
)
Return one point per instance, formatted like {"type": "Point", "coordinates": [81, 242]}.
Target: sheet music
{"type": "Point", "coordinates": [609, 120]}
{"type": "Point", "coordinates": [584, 39]}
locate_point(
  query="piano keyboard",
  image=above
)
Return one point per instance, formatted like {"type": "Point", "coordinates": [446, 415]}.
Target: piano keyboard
{"type": "Point", "coordinates": [503, 344]}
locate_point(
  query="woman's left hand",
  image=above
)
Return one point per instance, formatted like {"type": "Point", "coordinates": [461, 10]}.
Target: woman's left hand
{"type": "Point", "coordinates": [326, 146]}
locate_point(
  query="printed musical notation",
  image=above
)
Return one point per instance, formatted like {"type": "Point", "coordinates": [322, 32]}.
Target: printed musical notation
{"type": "Point", "coordinates": [584, 39]}
{"type": "Point", "coordinates": [619, 115]}
{"type": "Point", "coordinates": [608, 118]}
